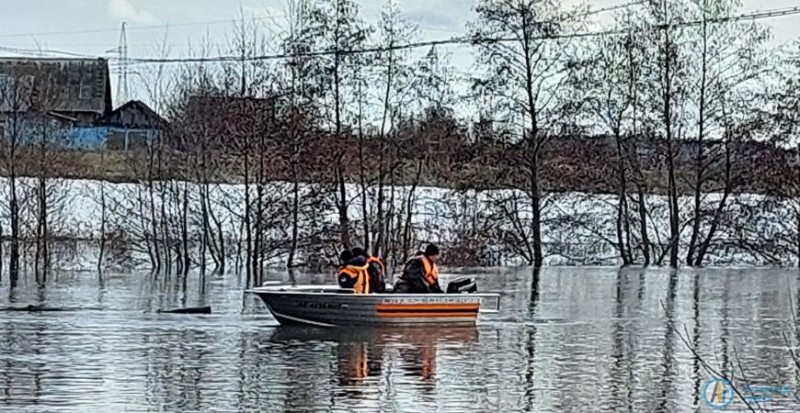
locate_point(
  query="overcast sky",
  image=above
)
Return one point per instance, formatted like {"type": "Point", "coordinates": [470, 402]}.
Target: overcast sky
{"type": "Point", "coordinates": [91, 27]}
{"type": "Point", "coordinates": [26, 23]}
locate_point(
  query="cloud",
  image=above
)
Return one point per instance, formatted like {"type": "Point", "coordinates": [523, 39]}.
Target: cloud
{"type": "Point", "coordinates": [124, 10]}
{"type": "Point", "coordinates": [264, 15]}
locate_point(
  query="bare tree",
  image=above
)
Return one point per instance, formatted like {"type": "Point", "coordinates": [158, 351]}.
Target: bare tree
{"type": "Point", "coordinates": [336, 25]}
{"type": "Point", "coordinates": [669, 99]}
{"type": "Point", "coordinates": [15, 90]}
{"type": "Point", "coordinates": [526, 75]}
{"type": "Point", "coordinates": [731, 63]}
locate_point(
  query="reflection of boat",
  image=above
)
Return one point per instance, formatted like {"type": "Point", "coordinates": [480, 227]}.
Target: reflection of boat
{"type": "Point", "coordinates": [330, 306]}
{"type": "Point", "coordinates": [361, 351]}
{"type": "Point", "coordinates": [384, 335]}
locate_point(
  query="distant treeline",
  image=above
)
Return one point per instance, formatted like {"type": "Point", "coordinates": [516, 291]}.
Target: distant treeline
{"type": "Point", "coordinates": [681, 99]}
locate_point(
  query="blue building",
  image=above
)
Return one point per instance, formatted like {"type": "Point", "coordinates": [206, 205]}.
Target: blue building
{"type": "Point", "coordinates": [131, 126]}
{"type": "Point", "coordinates": [67, 102]}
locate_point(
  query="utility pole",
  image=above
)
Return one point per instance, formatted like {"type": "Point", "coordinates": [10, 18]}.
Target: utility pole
{"type": "Point", "coordinates": [122, 75]}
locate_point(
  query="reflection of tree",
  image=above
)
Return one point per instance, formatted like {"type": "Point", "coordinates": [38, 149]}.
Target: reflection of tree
{"type": "Point", "coordinates": [301, 385]}
{"type": "Point", "coordinates": [667, 381]}
{"type": "Point", "coordinates": [174, 370]}
{"type": "Point", "coordinates": [531, 345]}
{"type": "Point", "coordinates": [420, 360]}
{"type": "Point", "coordinates": [696, 338]}
{"type": "Point", "coordinates": [621, 371]}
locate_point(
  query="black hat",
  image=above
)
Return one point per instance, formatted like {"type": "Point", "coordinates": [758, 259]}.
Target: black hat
{"type": "Point", "coordinates": [359, 252]}
{"type": "Point", "coordinates": [345, 256]}
{"type": "Point", "coordinates": [431, 250]}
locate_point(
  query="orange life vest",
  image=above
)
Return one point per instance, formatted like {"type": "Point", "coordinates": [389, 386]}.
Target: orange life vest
{"type": "Point", "coordinates": [370, 260]}
{"type": "Point", "coordinates": [361, 277]}
{"type": "Point", "coordinates": [431, 271]}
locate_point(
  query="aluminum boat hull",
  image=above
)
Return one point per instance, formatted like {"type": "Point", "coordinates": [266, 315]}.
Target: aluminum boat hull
{"type": "Point", "coordinates": [330, 306]}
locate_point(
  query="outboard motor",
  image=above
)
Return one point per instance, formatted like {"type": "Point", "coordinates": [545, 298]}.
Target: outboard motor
{"type": "Point", "coordinates": [462, 285]}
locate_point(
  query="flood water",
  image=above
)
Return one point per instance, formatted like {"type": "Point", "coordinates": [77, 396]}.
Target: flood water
{"type": "Point", "coordinates": [566, 340]}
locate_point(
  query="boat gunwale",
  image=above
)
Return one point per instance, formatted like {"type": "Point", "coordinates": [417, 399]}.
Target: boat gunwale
{"type": "Point", "coordinates": [337, 291]}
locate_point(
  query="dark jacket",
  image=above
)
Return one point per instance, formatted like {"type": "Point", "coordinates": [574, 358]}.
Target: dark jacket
{"type": "Point", "coordinates": [413, 279]}
{"type": "Point", "coordinates": [377, 275]}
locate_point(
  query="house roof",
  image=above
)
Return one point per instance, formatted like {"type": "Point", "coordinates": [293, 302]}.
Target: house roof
{"type": "Point", "coordinates": [70, 85]}
{"type": "Point", "coordinates": [134, 114]}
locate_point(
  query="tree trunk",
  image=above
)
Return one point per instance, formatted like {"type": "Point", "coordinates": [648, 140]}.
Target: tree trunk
{"type": "Point", "coordinates": [295, 217]}
{"type": "Point", "coordinates": [295, 193]}
{"type": "Point", "coordinates": [221, 249]}
{"type": "Point", "coordinates": [14, 208]}
{"type": "Point", "coordinates": [187, 257]}
{"type": "Point", "coordinates": [533, 147]}
{"type": "Point", "coordinates": [674, 226]}
{"type": "Point", "coordinates": [152, 206]}
{"type": "Point", "coordinates": [410, 212]}
{"type": "Point", "coordinates": [344, 222]}
{"type": "Point", "coordinates": [715, 221]}
{"type": "Point", "coordinates": [259, 247]}
{"type": "Point", "coordinates": [623, 201]}
{"type": "Point", "coordinates": [363, 181]}
{"type": "Point", "coordinates": [247, 227]}
{"type": "Point", "coordinates": [700, 176]}
{"type": "Point", "coordinates": [206, 236]}
{"type": "Point", "coordinates": [103, 219]}
{"type": "Point", "coordinates": [41, 260]}
{"type": "Point", "coordinates": [633, 158]}
{"type": "Point", "coordinates": [380, 237]}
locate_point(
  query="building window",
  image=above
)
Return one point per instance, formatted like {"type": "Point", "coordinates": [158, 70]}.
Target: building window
{"type": "Point", "coordinates": [85, 91]}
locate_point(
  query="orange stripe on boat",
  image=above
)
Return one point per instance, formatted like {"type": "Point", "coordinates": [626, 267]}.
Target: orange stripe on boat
{"type": "Point", "coordinates": [427, 315]}
{"type": "Point", "coordinates": [426, 307]}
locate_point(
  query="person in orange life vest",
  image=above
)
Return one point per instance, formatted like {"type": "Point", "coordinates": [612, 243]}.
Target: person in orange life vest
{"type": "Point", "coordinates": [420, 274]}
{"type": "Point", "coordinates": [353, 272]}
{"type": "Point", "coordinates": [376, 270]}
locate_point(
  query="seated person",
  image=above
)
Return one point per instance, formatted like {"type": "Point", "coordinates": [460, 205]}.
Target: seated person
{"type": "Point", "coordinates": [353, 273]}
{"type": "Point", "coordinates": [420, 274]}
{"type": "Point", "coordinates": [376, 270]}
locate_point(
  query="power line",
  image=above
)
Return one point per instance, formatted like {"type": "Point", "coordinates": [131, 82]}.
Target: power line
{"type": "Point", "coordinates": [43, 52]}
{"type": "Point", "coordinates": [36, 52]}
{"type": "Point", "coordinates": [587, 13]}
{"type": "Point", "coordinates": [465, 41]}
{"type": "Point", "coordinates": [146, 27]}
{"type": "Point", "coordinates": [212, 22]}
{"type": "Point", "coordinates": [612, 8]}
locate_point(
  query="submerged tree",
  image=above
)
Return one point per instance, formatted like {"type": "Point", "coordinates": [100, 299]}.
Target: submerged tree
{"type": "Point", "coordinates": [730, 64]}
{"type": "Point", "coordinates": [336, 26]}
{"type": "Point", "coordinates": [526, 65]}
{"type": "Point", "coordinates": [15, 93]}
{"type": "Point", "coordinates": [612, 79]}
{"type": "Point", "coordinates": [668, 98]}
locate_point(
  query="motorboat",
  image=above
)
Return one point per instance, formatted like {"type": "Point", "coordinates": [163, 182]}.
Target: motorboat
{"type": "Point", "coordinates": [332, 306]}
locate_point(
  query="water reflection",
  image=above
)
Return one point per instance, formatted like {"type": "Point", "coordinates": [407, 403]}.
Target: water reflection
{"type": "Point", "coordinates": [566, 340]}
{"type": "Point", "coordinates": [363, 354]}
{"type": "Point", "coordinates": [668, 376]}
